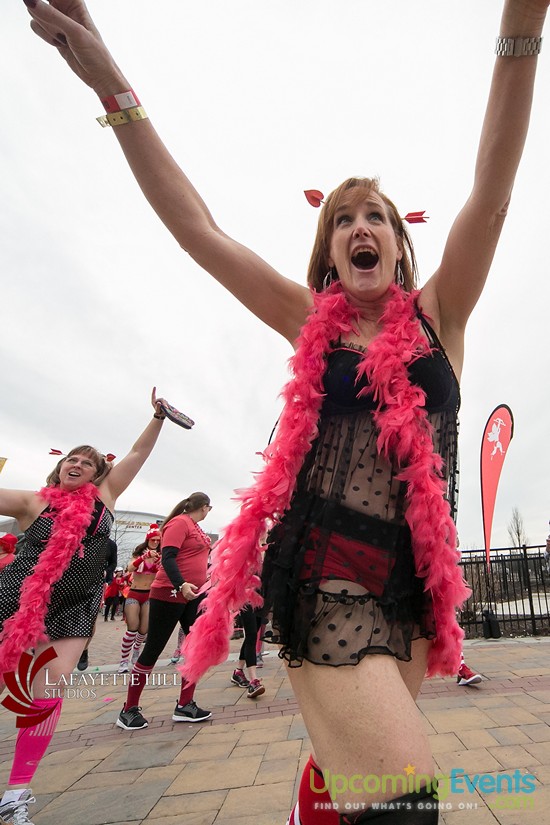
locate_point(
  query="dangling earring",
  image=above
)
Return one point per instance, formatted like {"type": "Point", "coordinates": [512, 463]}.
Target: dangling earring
{"type": "Point", "coordinates": [399, 275]}
{"type": "Point", "coordinates": [331, 276]}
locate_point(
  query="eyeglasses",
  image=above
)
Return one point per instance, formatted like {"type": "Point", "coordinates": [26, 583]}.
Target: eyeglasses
{"type": "Point", "coordinates": [209, 506]}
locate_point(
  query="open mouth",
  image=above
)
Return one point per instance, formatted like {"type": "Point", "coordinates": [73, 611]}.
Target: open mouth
{"type": "Point", "coordinates": [74, 475]}
{"type": "Point", "coordinates": [365, 259]}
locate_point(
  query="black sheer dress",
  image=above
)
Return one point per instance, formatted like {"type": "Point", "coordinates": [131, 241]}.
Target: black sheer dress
{"type": "Point", "coordinates": [339, 577]}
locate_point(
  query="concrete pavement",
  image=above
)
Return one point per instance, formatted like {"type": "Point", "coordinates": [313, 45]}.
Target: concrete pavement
{"type": "Point", "coordinates": [242, 766]}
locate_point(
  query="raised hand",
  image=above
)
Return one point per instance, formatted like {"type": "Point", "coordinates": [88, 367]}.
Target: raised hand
{"type": "Point", "coordinates": [157, 403]}
{"type": "Point", "coordinates": [67, 25]}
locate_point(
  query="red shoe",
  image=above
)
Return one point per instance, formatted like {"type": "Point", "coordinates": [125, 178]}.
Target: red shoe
{"type": "Point", "coordinates": [466, 676]}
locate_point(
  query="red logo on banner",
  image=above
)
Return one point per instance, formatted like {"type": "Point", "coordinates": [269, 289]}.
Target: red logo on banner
{"type": "Point", "coordinates": [497, 435]}
{"type": "Point", "coordinates": [19, 684]}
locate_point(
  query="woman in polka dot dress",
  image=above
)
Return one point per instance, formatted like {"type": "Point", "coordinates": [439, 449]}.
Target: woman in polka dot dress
{"type": "Point", "coordinates": [50, 594]}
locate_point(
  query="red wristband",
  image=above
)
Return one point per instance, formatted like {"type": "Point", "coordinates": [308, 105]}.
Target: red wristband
{"type": "Point", "coordinates": [124, 100]}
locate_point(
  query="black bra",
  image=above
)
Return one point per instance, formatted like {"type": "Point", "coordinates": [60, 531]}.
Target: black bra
{"type": "Point", "coordinates": [433, 373]}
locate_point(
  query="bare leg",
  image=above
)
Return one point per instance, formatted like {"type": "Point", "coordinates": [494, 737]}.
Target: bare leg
{"type": "Point", "coordinates": [68, 653]}
{"type": "Point", "coordinates": [132, 613]}
{"type": "Point", "coordinates": [143, 618]}
{"type": "Point", "coordinates": [363, 721]}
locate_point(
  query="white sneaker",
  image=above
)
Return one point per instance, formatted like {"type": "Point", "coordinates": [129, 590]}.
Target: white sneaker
{"type": "Point", "coordinates": [124, 667]}
{"type": "Point", "coordinates": [17, 812]}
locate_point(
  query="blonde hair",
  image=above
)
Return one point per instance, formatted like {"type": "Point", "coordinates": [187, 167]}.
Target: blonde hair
{"type": "Point", "coordinates": [351, 192]}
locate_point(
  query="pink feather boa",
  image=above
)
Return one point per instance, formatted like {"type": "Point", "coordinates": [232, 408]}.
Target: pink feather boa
{"type": "Point", "coordinates": [405, 436]}
{"type": "Point", "coordinates": [72, 514]}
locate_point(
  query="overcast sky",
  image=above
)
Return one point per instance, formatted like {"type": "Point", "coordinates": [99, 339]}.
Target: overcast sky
{"type": "Point", "coordinates": [257, 101]}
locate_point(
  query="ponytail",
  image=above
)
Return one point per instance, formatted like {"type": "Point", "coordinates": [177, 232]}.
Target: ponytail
{"type": "Point", "coordinates": [193, 502]}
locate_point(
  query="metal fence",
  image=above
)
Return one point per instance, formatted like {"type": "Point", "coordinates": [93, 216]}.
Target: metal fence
{"type": "Point", "coordinates": [514, 591]}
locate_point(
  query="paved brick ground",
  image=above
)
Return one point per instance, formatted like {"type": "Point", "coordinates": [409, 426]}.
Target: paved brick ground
{"type": "Point", "coordinates": [241, 768]}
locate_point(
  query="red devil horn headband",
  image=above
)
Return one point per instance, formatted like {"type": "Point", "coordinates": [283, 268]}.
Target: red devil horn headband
{"type": "Point", "coordinates": [316, 198]}
{"type": "Point", "coordinates": [108, 457]}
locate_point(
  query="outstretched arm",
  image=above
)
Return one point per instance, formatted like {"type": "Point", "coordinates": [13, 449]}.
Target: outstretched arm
{"type": "Point", "coordinates": [279, 302]}
{"type": "Point", "coordinates": [453, 291]}
{"type": "Point", "coordinates": [123, 473]}
{"type": "Point", "coordinates": [16, 503]}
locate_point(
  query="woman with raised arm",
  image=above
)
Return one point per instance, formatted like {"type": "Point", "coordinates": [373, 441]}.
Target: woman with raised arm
{"type": "Point", "coordinates": [50, 594]}
{"type": "Point", "coordinates": [361, 569]}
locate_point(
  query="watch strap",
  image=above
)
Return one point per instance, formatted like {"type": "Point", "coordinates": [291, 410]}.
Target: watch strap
{"type": "Point", "coordinates": [518, 46]}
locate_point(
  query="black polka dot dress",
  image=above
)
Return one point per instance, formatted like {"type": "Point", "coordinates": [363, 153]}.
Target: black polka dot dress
{"type": "Point", "coordinates": [339, 577]}
{"type": "Point", "coordinates": [76, 597]}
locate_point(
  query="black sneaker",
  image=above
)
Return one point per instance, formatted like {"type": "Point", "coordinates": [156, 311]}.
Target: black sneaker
{"type": "Point", "coordinates": [131, 719]}
{"type": "Point", "coordinates": [190, 713]}
{"type": "Point", "coordinates": [255, 688]}
{"type": "Point", "coordinates": [83, 661]}
{"type": "Point", "coordinates": [238, 678]}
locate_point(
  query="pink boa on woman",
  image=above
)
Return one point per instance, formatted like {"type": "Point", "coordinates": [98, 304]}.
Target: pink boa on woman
{"type": "Point", "coordinates": [72, 514]}
{"type": "Point", "coordinates": [405, 437]}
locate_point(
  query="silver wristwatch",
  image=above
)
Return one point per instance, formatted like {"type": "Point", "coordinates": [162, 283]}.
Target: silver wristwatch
{"type": "Point", "coordinates": [518, 46]}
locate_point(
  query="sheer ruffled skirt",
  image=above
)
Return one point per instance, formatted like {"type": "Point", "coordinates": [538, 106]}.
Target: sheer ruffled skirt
{"type": "Point", "coordinates": [339, 585]}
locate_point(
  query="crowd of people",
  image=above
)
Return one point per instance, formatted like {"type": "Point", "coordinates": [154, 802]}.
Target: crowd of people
{"type": "Point", "coordinates": [359, 571]}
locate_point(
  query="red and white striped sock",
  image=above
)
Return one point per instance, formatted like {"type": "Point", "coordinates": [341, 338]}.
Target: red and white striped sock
{"type": "Point", "coordinates": [140, 639]}
{"type": "Point", "coordinates": [128, 641]}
